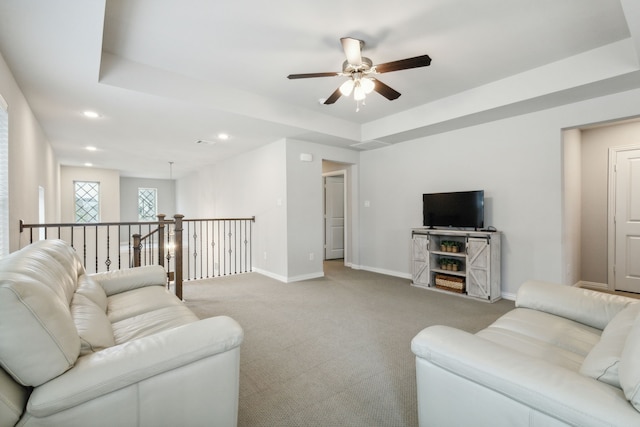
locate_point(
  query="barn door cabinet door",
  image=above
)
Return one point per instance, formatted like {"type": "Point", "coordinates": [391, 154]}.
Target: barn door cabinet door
{"type": "Point", "coordinates": [474, 256]}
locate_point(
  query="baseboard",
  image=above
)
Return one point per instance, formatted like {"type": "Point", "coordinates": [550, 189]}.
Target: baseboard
{"type": "Point", "coordinates": [507, 295]}
{"type": "Point", "coordinates": [305, 277]}
{"type": "Point", "coordinates": [270, 274]}
{"type": "Point", "coordinates": [285, 279]}
{"type": "Point", "coordinates": [592, 285]}
{"type": "Point", "coordinates": [383, 271]}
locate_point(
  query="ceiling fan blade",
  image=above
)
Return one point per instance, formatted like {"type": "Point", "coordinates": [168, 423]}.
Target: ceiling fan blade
{"type": "Point", "coordinates": [309, 75]}
{"type": "Point", "coordinates": [404, 64]}
{"type": "Point", "coordinates": [352, 50]}
{"type": "Point", "coordinates": [334, 97]}
{"type": "Point", "coordinates": [385, 90]}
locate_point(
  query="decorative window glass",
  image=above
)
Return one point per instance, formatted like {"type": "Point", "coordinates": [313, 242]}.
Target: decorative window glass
{"type": "Point", "coordinates": [4, 178]}
{"type": "Point", "coordinates": [147, 204]}
{"type": "Point", "coordinates": [87, 201]}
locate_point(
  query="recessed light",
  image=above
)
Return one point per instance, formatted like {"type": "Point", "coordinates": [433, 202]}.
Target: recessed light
{"type": "Point", "coordinates": [88, 164]}
{"type": "Point", "coordinates": [90, 148]}
{"type": "Point", "coordinates": [91, 114]}
{"type": "Point", "coordinates": [223, 136]}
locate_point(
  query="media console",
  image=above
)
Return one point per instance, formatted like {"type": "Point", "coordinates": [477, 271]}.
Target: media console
{"type": "Point", "coordinates": [456, 261]}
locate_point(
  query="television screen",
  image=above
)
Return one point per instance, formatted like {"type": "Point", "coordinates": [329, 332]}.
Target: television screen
{"type": "Point", "coordinates": [462, 209]}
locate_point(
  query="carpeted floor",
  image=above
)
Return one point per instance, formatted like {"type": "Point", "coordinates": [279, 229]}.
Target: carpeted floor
{"type": "Point", "coordinates": [333, 351]}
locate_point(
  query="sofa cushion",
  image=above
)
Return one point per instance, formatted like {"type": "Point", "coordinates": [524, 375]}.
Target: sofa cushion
{"type": "Point", "coordinates": [560, 341]}
{"type": "Point", "coordinates": [118, 281]}
{"type": "Point", "coordinates": [593, 308]}
{"type": "Point", "coordinates": [38, 338]}
{"type": "Point", "coordinates": [152, 322]}
{"type": "Point", "coordinates": [138, 301]}
{"type": "Point", "coordinates": [90, 288]}
{"type": "Point", "coordinates": [13, 399]}
{"type": "Point", "coordinates": [602, 363]}
{"type": "Point", "coordinates": [629, 366]}
{"type": "Point", "coordinates": [51, 262]}
{"type": "Point", "coordinates": [93, 326]}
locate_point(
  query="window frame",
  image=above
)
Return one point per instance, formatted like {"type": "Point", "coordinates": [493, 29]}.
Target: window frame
{"type": "Point", "coordinates": [75, 202]}
{"type": "Point", "coordinates": [141, 200]}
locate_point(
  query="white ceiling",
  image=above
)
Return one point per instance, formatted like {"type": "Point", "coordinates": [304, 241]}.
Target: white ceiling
{"type": "Point", "coordinates": [166, 73]}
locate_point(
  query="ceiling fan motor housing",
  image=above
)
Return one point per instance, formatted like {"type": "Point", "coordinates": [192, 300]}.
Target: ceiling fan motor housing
{"type": "Point", "coordinates": [365, 66]}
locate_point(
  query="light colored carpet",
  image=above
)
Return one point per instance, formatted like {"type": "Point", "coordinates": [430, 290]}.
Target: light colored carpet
{"type": "Point", "coordinates": [333, 351]}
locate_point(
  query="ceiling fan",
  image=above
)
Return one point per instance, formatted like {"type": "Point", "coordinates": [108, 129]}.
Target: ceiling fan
{"type": "Point", "coordinates": [360, 71]}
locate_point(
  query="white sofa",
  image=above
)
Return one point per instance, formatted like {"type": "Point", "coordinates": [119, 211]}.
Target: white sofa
{"type": "Point", "coordinates": [563, 356]}
{"type": "Point", "coordinates": [112, 349]}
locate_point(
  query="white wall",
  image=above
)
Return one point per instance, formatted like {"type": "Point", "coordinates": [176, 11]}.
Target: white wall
{"type": "Point", "coordinates": [517, 161]}
{"type": "Point", "coordinates": [109, 180]}
{"type": "Point", "coordinates": [283, 192]}
{"type": "Point", "coordinates": [32, 162]}
{"type": "Point", "coordinates": [305, 205]}
{"type": "Point", "coordinates": [572, 197]}
{"type": "Point", "coordinates": [253, 184]}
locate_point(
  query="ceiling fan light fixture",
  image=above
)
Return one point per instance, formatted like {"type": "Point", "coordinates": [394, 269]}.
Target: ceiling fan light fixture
{"type": "Point", "coordinates": [347, 87]}
{"type": "Point", "coordinates": [367, 85]}
{"type": "Point", "coordinates": [359, 92]}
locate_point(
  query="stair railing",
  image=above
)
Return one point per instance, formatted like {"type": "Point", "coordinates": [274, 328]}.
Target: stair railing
{"type": "Point", "coordinates": [210, 248]}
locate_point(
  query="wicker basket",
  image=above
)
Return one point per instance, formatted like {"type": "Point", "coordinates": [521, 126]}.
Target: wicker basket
{"type": "Point", "coordinates": [450, 283]}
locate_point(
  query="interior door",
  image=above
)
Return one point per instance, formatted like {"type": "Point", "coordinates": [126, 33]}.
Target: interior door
{"type": "Point", "coordinates": [334, 216]}
{"type": "Point", "coordinates": [627, 221]}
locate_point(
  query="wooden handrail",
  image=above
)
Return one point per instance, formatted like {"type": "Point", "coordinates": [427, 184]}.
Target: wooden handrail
{"type": "Point", "coordinates": [199, 248]}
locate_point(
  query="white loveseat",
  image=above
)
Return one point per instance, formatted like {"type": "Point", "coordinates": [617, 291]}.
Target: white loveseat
{"type": "Point", "coordinates": [112, 349]}
{"type": "Point", "coordinates": [563, 356]}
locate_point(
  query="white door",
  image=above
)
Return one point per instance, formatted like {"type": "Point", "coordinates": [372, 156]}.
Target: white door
{"type": "Point", "coordinates": [627, 221]}
{"type": "Point", "coordinates": [334, 216]}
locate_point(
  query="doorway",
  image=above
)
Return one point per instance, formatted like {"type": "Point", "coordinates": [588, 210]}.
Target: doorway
{"type": "Point", "coordinates": [624, 218]}
{"type": "Point", "coordinates": [589, 212]}
{"type": "Point", "coordinates": [334, 215]}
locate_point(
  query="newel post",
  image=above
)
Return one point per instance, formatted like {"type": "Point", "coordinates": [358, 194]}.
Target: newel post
{"type": "Point", "coordinates": [136, 250]}
{"type": "Point", "coordinates": [178, 253]}
{"type": "Point", "coordinates": [161, 239]}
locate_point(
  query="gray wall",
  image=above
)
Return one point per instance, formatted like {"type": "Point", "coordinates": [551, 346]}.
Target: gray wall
{"type": "Point", "coordinates": [129, 196]}
{"type": "Point", "coordinates": [517, 161]}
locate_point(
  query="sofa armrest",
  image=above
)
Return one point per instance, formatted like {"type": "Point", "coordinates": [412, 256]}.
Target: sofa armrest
{"type": "Point", "coordinates": [536, 383]}
{"type": "Point", "coordinates": [120, 366]}
{"type": "Point", "coordinates": [117, 281]}
{"type": "Point", "coordinates": [595, 309]}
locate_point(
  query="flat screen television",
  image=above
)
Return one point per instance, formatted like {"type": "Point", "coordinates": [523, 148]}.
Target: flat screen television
{"type": "Point", "coordinates": [461, 209]}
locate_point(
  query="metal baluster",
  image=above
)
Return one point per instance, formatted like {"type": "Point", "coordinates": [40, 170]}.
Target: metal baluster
{"type": "Point", "coordinates": [195, 252]}
{"type": "Point", "coordinates": [108, 261]}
